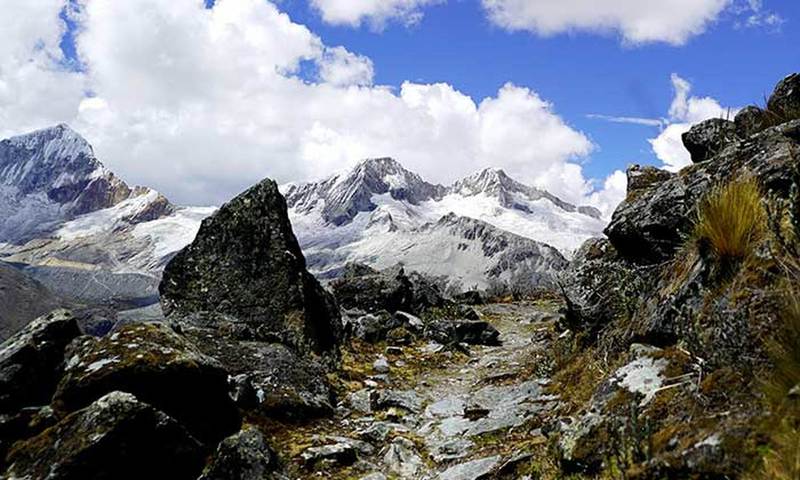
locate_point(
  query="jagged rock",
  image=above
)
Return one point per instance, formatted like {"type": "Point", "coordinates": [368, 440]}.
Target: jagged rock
{"type": "Point", "coordinates": [372, 328]}
{"type": "Point", "coordinates": [337, 453]}
{"type": "Point", "coordinates": [22, 299]}
{"type": "Point", "coordinates": [649, 226]}
{"type": "Point", "coordinates": [25, 423]}
{"type": "Point", "coordinates": [161, 368]}
{"type": "Point", "coordinates": [242, 456]}
{"type": "Point", "coordinates": [245, 263]}
{"type": "Point", "coordinates": [465, 311]}
{"type": "Point", "coordinates": [31, 361]}
{"type": "Point", "coordinates": [474, 470]}
{"type": "Point", "coordinates": [751, 120]}
{"type": "Point", "coordinates": [390, 290]}
{"type": "Point", "coordinates": [410, 322]}
{"type": "Point", "coordinates": [639, 178]}
{"type": "Point", "coordinates": [401, 458]}
{"type": "Point", "coordinates": [381, 365]}
{"type": "Point", "coordinates": [405, 399]}
{"type": "Point", "coordinates": [117, 436]}
{"type": "Point", "coordinates": [473, 332]}
{"type": "Point", "coordinates": [599, 287]}
{"type": "Point", "coordinates": [708, 138]}
{"type": "Point", "coordinates": [470, 297]}
{"type": "Point", "coordinates": [785, 100]}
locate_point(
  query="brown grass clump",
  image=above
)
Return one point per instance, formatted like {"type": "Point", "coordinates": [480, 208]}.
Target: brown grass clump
{"type": "Point", "coordinates": [731, 221]}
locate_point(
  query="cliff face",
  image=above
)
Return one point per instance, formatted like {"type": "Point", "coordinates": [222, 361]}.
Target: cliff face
{"type": "Point", "coordinates": [696, 280]}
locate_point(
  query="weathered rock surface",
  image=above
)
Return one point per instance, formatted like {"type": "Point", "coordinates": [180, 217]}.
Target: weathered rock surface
{"type": "Point", "coordinates": [31, 361]}
{"type": "Point", "coordinates": [391, 290]}
{"type": "Point", "coordinates": [652, 222]}
{"type": "Point", "coordinates": [708, 138]}
{"type": "Point", "coordinates": [161, 368]}
{"type": "Point", "coordinates": [115, 437]}
{"type": "Point", "coordinates": [245, 264]}
{"type": "Point", "coordinates": [785, 100]}
{"type": "Point", "coordinates": [473, 332]}
{"type": "Point", "coordinates": [242, 456]}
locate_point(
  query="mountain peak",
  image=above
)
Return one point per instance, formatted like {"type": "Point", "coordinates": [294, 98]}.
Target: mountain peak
{"type": "Point", "coordinates": [59, 141]}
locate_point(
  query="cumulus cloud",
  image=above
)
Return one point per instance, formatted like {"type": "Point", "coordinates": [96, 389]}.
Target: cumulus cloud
{"type": "Point", "coordinates": [201, 103]}
{"type": "Point", "coordinates": [685, 111]}
{"type": "Point", "coordinates": [376, 13]}
{"type": "Point", "coordinates": [669, 21]}
{"type": "Point", "coordinates": [34, 86]}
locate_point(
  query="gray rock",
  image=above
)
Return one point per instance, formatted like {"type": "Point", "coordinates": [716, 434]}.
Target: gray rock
{"type": "Point", "coordinates": [410, 322]}
{"type": "Point", "coordinates": [473, 332]}
{"type": "Point", "coordinates": [242, 456]}
{"type": "Point", "coordinates": [337, 454]}
{"type": "Point", "coordinates": [360, 401]}
{"type": "Point", "coordinates": [401, 458]}
{"type": "Point", "coordinates": [116, 436]}
{"type": "Point", "coordinates": [785, 100]}
{"type": "Point", "coordinates": [708, 138]}
{"type": "Point", "coordinates": [474, 470]}
{"type": "Point", "coordinates": [161, 368]}
{"type": "Point", "coordinates": [381, 365]}
{"type": "Point", "coordinates": [405, 399]}
{"type": "Point", "coordinates": [245, 264]}
{"type": "Point", "coordinates": [31, 361]}
{"type": "Point", "coordinates": [751, 120]}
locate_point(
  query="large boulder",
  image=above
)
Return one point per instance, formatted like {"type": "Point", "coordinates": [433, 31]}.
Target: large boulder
{"type": "Point", "coordinates": [362, 288]}
{"type": "Point", "coordinates": [115, 437]}
{"type": "Point", "coordinates": [246, 264]}
{"type": "Point", "coordinates": [751, 120]}
{"type": "Point", "coordinates": [785, 100]}
{"type": "Point", "coordinates": [708, 138]}
{"type": "Point", "coordinates": [161, 368]}
{"type": "Point", "coordinates": [31, 361]}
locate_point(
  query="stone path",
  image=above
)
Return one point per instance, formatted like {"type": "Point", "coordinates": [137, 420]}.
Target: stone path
{"type": "Point", "coordinates": [449, 418]}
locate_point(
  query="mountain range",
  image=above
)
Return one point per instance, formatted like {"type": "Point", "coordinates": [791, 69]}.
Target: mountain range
{"type": "Point", "coordinates": [73, 225]}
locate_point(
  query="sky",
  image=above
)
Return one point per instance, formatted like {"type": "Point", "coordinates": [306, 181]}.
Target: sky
{"type": "Point", "coordinates": [201, 98]}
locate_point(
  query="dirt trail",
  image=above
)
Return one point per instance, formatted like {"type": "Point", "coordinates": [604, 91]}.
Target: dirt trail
{"type": "Point", "coordinates": [437, 413]}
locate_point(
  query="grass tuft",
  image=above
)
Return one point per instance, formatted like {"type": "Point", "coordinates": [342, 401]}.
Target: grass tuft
{"type": "Point", "coordinates": [731, 221]}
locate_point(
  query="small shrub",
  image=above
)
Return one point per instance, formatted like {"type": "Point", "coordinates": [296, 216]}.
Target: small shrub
{"type": "Point", "coordinates": [731, 221]}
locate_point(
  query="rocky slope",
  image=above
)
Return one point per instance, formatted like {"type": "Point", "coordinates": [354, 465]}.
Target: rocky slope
{"type": "Point", "coordinates": [22, 299]}
{"type": "Point", "coordinates": [482, 229]}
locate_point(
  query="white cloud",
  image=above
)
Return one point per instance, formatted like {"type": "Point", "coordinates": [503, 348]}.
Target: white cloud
{"type": "Point", "coordinates": [202, 103]}
{"type": "Point", "coordinates": [684, 112]}
{"type": "Point", "coordinates": [374, 12]}
{"type": "Point", "coordinates": [613, 192]}
{"type": "Point", "coordinates": [342, 68]}
{"type": "Point", "coordinates": [637, 21]}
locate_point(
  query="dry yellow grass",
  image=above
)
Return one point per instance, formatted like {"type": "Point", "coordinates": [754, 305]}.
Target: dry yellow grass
{"type": "Point", "coordinates": [731, 220]}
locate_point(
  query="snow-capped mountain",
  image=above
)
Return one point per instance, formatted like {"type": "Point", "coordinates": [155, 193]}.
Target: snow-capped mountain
{"type": "Point", "coordinates": [483, 227]}
{"type": "Point", "coordinates": [77, 227]}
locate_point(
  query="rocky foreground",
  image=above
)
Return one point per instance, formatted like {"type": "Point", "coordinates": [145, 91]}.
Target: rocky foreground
{"type": "Point", "coordinates": [669, 350]}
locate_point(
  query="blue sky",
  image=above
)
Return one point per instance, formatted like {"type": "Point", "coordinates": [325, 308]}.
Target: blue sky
{"type": "Point", "coordinates": [581, 73]}
{"type": "Point", "coordinates": [200, 101]}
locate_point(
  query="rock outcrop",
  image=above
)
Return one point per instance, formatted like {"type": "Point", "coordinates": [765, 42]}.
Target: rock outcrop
{"type": "Point", "coordinates": [246, 265]}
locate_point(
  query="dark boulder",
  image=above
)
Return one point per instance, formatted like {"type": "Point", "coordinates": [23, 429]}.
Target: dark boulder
{"type": "Point", "coordinates": [242, 456]}
{"type": "Point", "coordinates": [115, 437]}
{"type": "Point", "coordinates": [246, 264]}
{"type": "Point", "coordinates": [161, 368]}
{"type": "Point", "coordinates": [640, 178]}
{"type": "Point", "coordinates": [470, 297]}
{"type": "Point", "coordinates": [390, 290]}
{"type": "Point", "coordinates": [31, 361]}
{"type": "Point", "coordinates": [473, 332]}
{"type": "Point", "coordinates": [708, 138]}
{"type": "Point", "coordinates": [751, 120]}
{"type": "Point", "coordinates": [785, 100]}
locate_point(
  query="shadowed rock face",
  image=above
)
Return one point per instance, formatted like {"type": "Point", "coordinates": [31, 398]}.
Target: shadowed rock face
{"type": "Point", "coordinates": [117, 437]}
{"type": "Point", "coordinates": [246, 264]}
